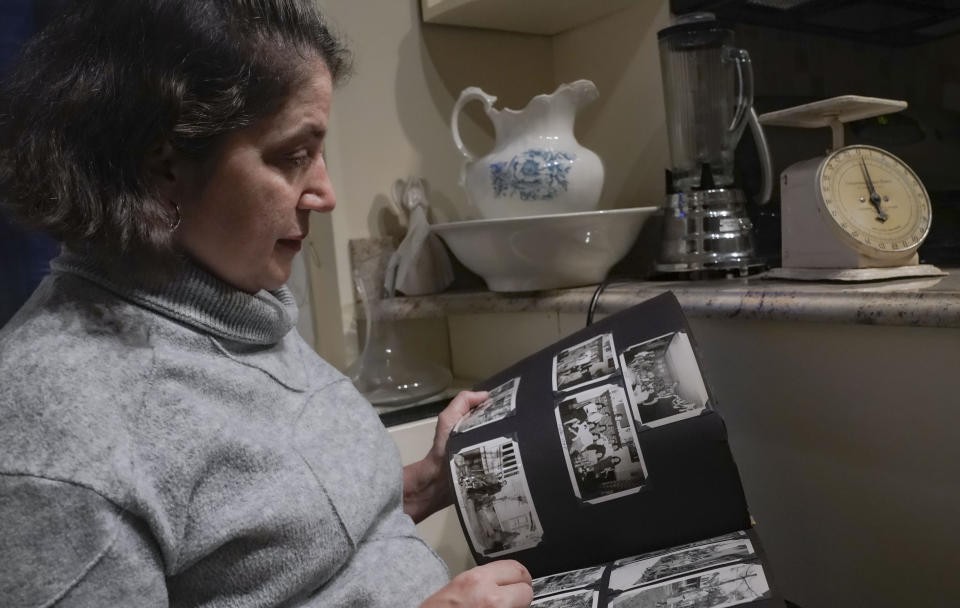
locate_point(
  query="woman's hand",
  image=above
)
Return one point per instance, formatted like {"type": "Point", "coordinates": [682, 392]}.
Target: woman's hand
{"type": "Point", "coordinates": [425, 486]}
{"type": "Point", "coordinates": [501, 584]}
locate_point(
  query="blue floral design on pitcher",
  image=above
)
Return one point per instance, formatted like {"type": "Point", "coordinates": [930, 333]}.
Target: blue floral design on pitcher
{"type": "Point", "coordinates": [534, 175]}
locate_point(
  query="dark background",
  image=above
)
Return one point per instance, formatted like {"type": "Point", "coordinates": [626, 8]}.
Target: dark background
{"type": "Point", "coordinates": [24, 255]}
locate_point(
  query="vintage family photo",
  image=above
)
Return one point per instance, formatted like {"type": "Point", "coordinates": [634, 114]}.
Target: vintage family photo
{"type": "Point", "coordinates": [574, 599]}
{"type": "Point", "coordinates": [600, 444]}
{"type": "Point", "coordinates": [663, 380]}
{"type": "Point", "coordinates": [726, 586]}
{"type": "Point", "coordinates": [589, 361]}
{"type": "Point", "coordinates": [565, 581]}
{"type": "Point", "coordinates": [501, 403]}
{"type": "Point", "coordinates": [494, 498]}
{"type": "Point", "coordinates": [738, 535]}
{"type": "Point", "coordinates": [648, 570]}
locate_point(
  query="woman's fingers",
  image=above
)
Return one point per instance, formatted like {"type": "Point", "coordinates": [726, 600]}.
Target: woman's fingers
{"type": "Point", "coordinates": [518, 595]}
{"type": "Point", "coordinates": [507, 572]}
{"type": "Point", "coordinates": [500, 584]}
{"type": "Point", "coordinates": [464, 402]}
{"type": "Point", "coordinates": [451, 415]}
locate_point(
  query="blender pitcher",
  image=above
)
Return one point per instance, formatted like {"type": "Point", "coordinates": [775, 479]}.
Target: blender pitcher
{"type": "Point", "coordinates": [708, 93]}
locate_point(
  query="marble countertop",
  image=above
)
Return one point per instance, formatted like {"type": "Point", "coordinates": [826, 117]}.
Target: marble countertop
{"type": "Point", "coordinates": [919, 302]}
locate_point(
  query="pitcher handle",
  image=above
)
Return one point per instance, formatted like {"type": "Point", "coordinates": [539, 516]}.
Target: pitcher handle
{"type": "Point", "coordinates": [741, 59]}
{"type": "Point", "coordinates": [467, 95]}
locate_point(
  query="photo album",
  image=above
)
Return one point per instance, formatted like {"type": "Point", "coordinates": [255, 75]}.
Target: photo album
{"type": "Point", "coordinates": [601, 464]}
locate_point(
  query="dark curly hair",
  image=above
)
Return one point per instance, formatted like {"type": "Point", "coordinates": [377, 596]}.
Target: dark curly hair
{"type": "Point", "coordinates": [103, 85]}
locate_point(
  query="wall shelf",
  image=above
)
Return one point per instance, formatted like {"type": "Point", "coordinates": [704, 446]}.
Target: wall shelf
{"type": "Point", "coordinates": [544, 17]}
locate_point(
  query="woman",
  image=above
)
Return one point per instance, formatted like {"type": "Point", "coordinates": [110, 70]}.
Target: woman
{"type": "Point", "coordinates": [167, 439]}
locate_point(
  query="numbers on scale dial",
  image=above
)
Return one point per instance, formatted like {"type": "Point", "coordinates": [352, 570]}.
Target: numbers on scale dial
{"type": "Point", "coordinates": [875, 198]}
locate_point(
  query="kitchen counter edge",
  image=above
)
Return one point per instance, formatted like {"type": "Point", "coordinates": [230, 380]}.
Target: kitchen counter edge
{"type": "Point", "coordinates": [927, 302]}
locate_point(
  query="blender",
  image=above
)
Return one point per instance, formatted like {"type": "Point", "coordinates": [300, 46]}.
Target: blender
{"type": "Point", "coordinates": [708, 94]}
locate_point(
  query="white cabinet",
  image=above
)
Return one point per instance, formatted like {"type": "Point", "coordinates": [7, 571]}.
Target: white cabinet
{"type": "Point", "coordinates": [546, 17]}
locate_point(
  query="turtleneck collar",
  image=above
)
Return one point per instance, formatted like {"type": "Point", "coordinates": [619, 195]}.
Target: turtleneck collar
{"type": "Point", "coordinates": [195, 297]}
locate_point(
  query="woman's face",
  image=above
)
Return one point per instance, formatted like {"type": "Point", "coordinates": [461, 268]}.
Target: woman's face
{"type": "Point", "coordinates": [245, 216]}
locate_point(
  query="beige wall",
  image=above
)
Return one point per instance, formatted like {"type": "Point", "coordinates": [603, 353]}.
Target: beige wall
{"type": "Point", "coordinates": [625, 126]}
{"type": "Point", "coordinates": [391, 120]}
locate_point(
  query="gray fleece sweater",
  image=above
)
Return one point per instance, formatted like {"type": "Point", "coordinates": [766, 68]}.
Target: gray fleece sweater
{"type": "Point", "coordinates": [182, 446]}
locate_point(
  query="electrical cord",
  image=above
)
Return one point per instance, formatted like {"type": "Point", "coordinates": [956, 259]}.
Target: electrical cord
{"type": "Point", "coordinates": [596, 298]}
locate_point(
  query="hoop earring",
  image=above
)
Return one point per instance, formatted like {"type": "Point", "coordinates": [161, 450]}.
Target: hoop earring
{"type": "Point", "coordinates": [176, 222]}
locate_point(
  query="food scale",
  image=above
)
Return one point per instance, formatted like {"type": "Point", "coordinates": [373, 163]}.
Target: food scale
{"type": "Point", "coordinates": [857, 207]}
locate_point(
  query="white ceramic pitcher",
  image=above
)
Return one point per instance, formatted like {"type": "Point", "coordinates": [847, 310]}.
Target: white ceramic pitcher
{"type": "Point", "coordinates": [536, 167]}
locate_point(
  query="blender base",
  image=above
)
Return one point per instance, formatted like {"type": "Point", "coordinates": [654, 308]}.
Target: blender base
{"type": "Point", "coordinates": [707, 231]}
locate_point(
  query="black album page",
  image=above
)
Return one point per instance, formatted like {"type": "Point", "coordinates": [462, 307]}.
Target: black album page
{"type": "Point", "coordinates": [602, 446]}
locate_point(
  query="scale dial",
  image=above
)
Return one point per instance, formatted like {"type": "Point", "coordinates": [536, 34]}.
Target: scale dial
{"type": "Point", "coordinates": [878, 205]}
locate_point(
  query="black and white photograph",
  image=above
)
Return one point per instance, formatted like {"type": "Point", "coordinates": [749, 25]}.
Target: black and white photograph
{"type": "Point", "coordinates": [501, 403]}
{"type": "Point", "coordinates": [663, 380]}
{"type": "Point", "coordinates": [726, 586]}
{"type": "Point", "coordinates": [589, 361]}
{"type": "Point", "coordinates": [670, 565]}
{"type": "Point", "coordinates": [565, 581]}
{"type": "Point", "coordinates": [494, 497]}
{"type": "Point", "coordinates": [574, 599]}
{"type": "Point", "coordinates": [602, 453]}
{"type": "Point", "coordinates": [738, 535]}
